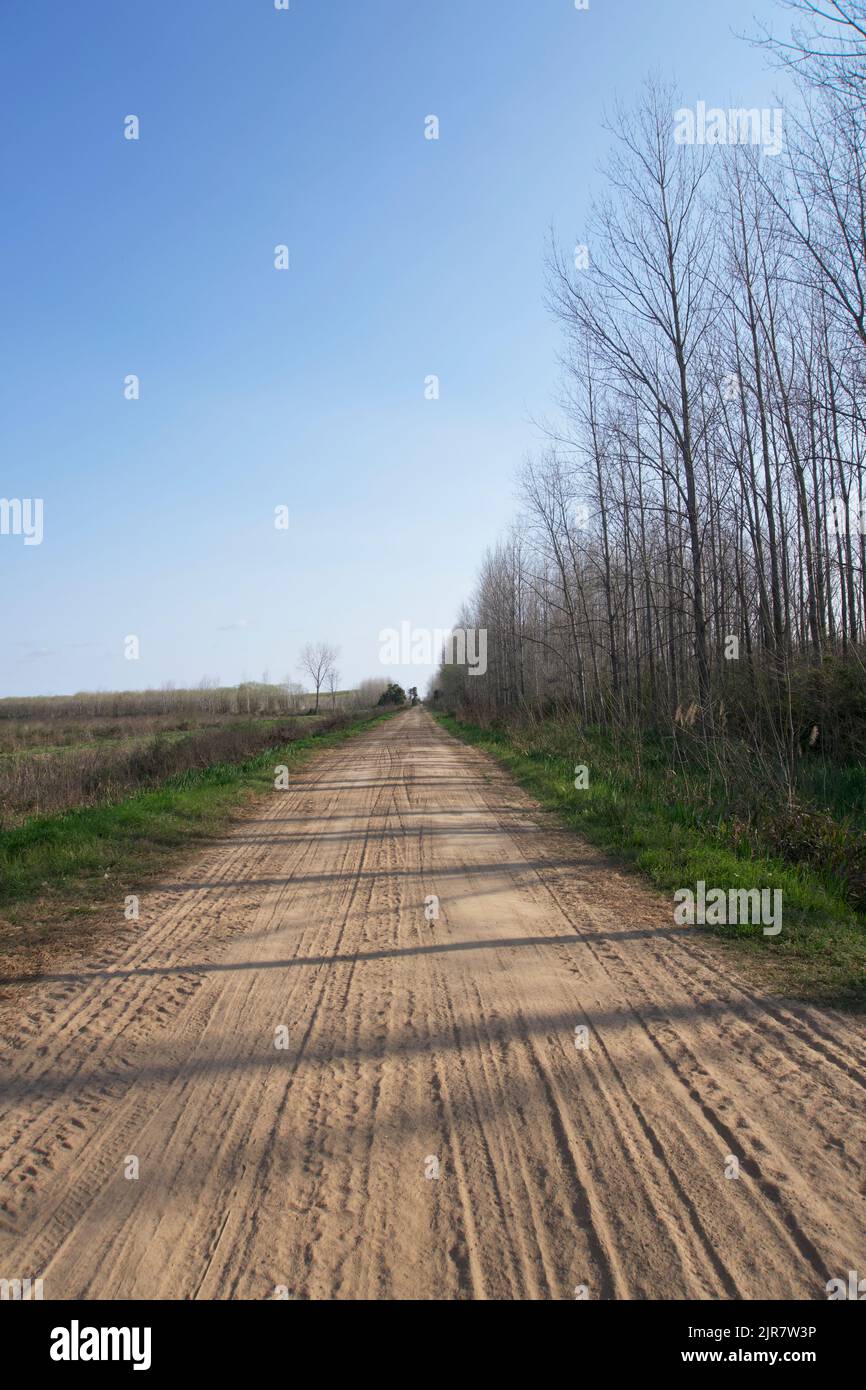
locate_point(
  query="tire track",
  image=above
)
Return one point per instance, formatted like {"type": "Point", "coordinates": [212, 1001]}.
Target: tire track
{"type": "Point", "coordinates": [307, 1167]}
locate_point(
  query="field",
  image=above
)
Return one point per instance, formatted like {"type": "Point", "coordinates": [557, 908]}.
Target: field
{"type": "Point", "coordinates": [69, 751]}
{"type": "Point", "coordinates": [100, 793]}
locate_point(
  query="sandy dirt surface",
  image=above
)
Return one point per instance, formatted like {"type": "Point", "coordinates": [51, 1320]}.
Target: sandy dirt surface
{"type": "Point", "coordinates": [417, 1047]}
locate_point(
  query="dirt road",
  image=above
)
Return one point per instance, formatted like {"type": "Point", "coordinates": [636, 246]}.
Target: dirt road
{"type": "Point", "coordinates": [419, 1047]}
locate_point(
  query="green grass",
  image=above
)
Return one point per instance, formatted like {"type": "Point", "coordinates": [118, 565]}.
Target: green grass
{"type": "Point", "coordinates": [820, 954]}
{"type": "Point", "coordinates": [78, 860]}
{"type": "Point", "coordinates": [841, 790]}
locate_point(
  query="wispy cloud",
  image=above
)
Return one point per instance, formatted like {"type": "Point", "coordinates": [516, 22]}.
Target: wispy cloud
{"type": "Point", "coordinates": [36, 654]}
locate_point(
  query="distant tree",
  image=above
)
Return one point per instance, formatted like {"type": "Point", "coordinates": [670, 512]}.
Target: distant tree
{"type": "Point", "coordinates": [368, 692]}
{"type": "Point", "coordinates": [394, 695]}
{"type": "Point", "coordinates": [316, 660]}
{"type": "Point", "coordinates": [413, 694]}
{"type": "Point", "coordinates": [333, 682]}
{"type": "Point", "coordinates": [292, 693]}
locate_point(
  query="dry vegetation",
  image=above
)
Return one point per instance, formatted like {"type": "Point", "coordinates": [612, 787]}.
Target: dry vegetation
{"type": "Point", "coordinates": [61, 752]}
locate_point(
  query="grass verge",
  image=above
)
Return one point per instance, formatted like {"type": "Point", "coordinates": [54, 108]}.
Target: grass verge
{"type": "Point", "coordinates": [820, 954]}
{"type": "Point", "coordinates": [63, 871]}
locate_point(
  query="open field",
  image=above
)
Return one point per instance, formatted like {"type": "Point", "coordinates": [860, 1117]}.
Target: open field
{"type": "Point", "coordinates": [327, 1092]}
{"type": "Point", "coordinates": [54, 780]}
{"type": "Point", "coordinates": [204, 704]}
{"type": "Point", "coordinates": [63, 752]}
{"type": "Point", "coordinates": [65, 877]}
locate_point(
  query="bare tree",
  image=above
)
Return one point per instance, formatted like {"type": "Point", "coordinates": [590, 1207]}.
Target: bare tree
{"type": "Point", "coordinates": [316, 660]}
{"type": "Point", "coordinates": [333, 679]}
{"type": "Point", "coordinates": [644, 308]}
{"type": "Point", "coordinates": [827, 48]}
{"type": "Point", "coordinates": [691, 549]}
{"type": "Point", "coordinates": [368, 692]}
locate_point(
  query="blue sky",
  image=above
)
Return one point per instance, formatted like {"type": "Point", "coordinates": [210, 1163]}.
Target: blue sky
{"type": "Point", "coordinates": [303, 388]}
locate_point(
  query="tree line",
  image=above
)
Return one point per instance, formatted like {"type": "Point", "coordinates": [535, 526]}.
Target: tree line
{"type": "Point", "coordinates": [691, 547]}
